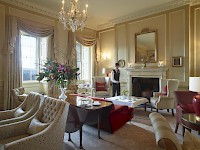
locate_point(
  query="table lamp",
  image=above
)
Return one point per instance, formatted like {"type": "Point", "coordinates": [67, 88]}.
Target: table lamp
{"type": "Point", "coordinates": [106, 71]}
{"type": "Point", "coordinates": [194, 85]}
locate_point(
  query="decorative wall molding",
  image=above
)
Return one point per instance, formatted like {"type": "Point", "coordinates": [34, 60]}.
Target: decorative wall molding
{"type": "Point", "coordinates": [33, 7]}
{"type": "Point", "coordinates": [150, 11]}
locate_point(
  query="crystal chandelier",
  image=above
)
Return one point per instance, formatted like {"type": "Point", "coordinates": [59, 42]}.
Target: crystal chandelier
{"type": "Point", "coordinates": [73, 18]}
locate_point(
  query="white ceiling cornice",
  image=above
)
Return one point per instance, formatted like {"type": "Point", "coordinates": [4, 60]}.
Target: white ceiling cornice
{"type": "Point", "coordinates": [153, 10]}
{"type": "Point", "coordinates": [147, 12]}
{"type": "Point", "coordinates": [32, 7]}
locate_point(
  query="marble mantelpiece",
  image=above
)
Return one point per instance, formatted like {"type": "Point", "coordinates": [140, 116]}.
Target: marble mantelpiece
{"type": "Point", "coordinates": [146, 72]}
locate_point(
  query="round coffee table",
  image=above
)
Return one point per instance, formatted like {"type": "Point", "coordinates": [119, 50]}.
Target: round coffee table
{"type": "Point", "coordinates": [191, 122]}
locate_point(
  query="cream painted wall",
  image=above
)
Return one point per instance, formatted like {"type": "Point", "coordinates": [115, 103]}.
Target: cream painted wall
{"type": "Point", "coordinates": [173, 40]}
{"type": "Point", "coordinates": [197, 41]}
{"type": "Point", "coordinates": [107, 47]}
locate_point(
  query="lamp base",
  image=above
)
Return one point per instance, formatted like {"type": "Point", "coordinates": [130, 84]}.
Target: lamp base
{"type": "Point", "coordinates": [196, 104]}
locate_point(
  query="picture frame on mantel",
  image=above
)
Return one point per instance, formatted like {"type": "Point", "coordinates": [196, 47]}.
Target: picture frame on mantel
{"type": "Point", "coordinates": [177, 61]}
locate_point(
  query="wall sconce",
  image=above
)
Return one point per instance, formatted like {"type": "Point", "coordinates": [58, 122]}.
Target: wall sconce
{"type": "Point", "coordinates": [105, 56]}
{"type": "Point", "coordinates": [160, 63]}
{"type": "Point", "coordinates": [106, 71]}
{"type": "Point", "coordinates": [130, 64]}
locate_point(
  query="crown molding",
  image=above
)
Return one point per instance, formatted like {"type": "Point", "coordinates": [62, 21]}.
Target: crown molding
{"type": "Point", "coordinates": [33, 7]}
{"type": "Point", "coordinates": [150, 11]}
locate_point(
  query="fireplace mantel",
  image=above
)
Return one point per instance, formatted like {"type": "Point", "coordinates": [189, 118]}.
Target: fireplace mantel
{"type": "Point", "coordinates": [146, 72]}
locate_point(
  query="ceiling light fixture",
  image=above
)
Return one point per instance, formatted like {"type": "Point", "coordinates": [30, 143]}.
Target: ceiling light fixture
{"type": "Point", "coordinates": [73, 18]}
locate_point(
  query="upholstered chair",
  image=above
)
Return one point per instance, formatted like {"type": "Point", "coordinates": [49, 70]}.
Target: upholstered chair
{"type": "Point", "coordinates": [27, 109]}
{"type": "Point", "coordinates": [18, 96]}
{"type": "Point", "coordinates": [43, 131]}
{"type": "Point", "coordinates": [101, 87]}
{"type": "Point", "coordinates": [184, 105]}
{"type": "Point", "coordinates": [165, 99]}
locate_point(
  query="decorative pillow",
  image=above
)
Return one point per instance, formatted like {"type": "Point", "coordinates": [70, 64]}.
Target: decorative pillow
{"type": "Point", "coordinates": [190, 142]}
{"type": "Point", "coordinates": [164, 90]}
{"type": "Point", "coordinates": [36, 126]}
{"type": "Point", "coordinates": [100, 86]}
{"type": "Point", "coordinates": [19, 112]}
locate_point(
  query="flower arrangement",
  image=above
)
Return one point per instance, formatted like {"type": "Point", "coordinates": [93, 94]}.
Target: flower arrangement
{"type": "Point", "coordinates": [124, 92]}
{"type": "Point", "coordinates": [60, 73]}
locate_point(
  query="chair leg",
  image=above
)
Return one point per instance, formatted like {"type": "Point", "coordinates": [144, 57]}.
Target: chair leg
{"type": "Point", "coordinates": [167, 110]}
{"type": "Point", "coordinates": [172, 112]}
{"type": "Point", "coordinates": [69, 139]}
{"type": "Point", "coordinates": [176, 129]}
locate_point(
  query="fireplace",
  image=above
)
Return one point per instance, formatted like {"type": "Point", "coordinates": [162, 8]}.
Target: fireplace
{"type": "Point", "coordinates": [145, 79]}
{"type": "Point", "coordinates": [144, 87]}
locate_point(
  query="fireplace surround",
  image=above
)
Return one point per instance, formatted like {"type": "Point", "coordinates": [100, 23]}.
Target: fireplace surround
{"type": "Point", "coordinates": [143, 74]}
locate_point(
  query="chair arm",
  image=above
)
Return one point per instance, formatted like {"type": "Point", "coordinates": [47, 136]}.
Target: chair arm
{"type": "Point", "coordinates": [14, 129]}
{"type": "Point", "coordinates": [157, 94]}
{"type": "Point", "coordinates": [7, 114]}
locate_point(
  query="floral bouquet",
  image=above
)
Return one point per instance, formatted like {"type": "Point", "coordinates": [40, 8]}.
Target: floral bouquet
{"type": "Point", "coordinates": [60, 73]}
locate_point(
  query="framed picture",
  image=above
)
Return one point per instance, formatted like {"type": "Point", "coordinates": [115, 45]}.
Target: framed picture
{"type": "Point", "coordinates": [121, 63]}
{"type": "Point", "coordinates": [177, 61]}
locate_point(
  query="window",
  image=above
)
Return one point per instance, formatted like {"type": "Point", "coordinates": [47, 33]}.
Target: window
{"type": "Point", "coordinates": [83, 61]}
{"type": "Point", "coordinates": [33, 53]}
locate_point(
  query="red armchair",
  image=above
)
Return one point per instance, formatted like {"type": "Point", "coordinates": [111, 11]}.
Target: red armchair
{"type": "Point", "coordinates": [184, 105]}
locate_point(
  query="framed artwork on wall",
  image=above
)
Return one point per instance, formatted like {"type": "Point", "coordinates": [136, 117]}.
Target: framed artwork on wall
{"type": "Point", "coordinates": [177, 61]}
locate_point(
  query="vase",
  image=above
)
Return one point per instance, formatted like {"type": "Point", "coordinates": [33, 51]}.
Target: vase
{"type": "Point", "coordinates": [196, 104]}
{"type": "Point", "coordinates": [62, 95]}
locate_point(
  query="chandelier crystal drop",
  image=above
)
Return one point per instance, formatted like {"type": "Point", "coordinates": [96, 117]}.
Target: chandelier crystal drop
{"type": "Point", "coordinates": [73, 18]}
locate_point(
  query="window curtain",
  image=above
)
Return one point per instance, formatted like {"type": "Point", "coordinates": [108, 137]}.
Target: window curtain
{"type": "Point", "coordinates": [84, 40]}
{"type": "Point", "coordinates": [13, 69]}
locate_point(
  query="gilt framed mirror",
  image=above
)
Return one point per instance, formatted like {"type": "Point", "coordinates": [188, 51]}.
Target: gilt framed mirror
{"type": "Point", "coordinates": [146, 46]}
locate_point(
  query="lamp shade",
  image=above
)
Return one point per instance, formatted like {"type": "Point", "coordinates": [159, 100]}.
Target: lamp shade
{"type": "Point", "coordinates": [194, 84]}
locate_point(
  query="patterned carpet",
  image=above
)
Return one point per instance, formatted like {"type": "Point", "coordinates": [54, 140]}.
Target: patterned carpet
{"type": "Point", "coordinates": [135, 135]}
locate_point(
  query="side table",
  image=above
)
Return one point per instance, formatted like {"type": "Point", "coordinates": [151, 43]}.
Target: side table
{"type": "Point", "coordinates": [190, 121]}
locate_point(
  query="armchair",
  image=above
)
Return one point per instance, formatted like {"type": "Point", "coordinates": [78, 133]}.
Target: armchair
{"type": "Point", "coordinates": [101, 87]}
{"type": "Point", "coordinates": [184, 105]}
{"type": "Point", "coordinates": [18, 96]}
{"type": "Point", "coordinates": [43, 131]}
{"type": "Point", "coordinates": [165, 99]}
{"type": "Point", "coordinates": [27, 109]}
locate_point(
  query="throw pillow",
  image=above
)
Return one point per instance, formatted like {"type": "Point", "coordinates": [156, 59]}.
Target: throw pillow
{"type": "Point", "coordinates": [190, 142]}
{"type": "Point", "coordinates": [100, 86]}
{"type": "Point", "coordinates": [19, 112]}
{"type": "Point", "coordinates": [36, 126]}
{"type": "Point", "coordinates": [164, 90]}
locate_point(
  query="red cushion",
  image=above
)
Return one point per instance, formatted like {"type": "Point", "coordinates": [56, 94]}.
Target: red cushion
{"type": "Point", "coordinates": [165, 90]}
{"type": "Point", "coordinates": [100, 86]}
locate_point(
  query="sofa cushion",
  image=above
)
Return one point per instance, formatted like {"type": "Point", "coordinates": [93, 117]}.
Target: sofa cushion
{"type": "Point", "coordinates": [36, 126]}
{"type": "Point", "coordinates": [19, 112]}
{"type": "Point", "coordinates": [190, 142]}
{"type": "Point", "coordinates": [100, 86]}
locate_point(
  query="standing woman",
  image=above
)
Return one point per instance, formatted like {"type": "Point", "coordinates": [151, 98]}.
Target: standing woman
{"type": "Point", "coordinates": [115, 75]}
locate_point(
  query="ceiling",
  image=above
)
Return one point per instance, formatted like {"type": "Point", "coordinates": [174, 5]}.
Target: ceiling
{"type": "Point", "coordinates": [105, 13]}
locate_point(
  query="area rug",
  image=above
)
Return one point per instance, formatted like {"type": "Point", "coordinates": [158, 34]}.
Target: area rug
{"type": "Point", "coordinates": [137, 134]}
{"type": "Point", "coordinates": [129, 137]}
